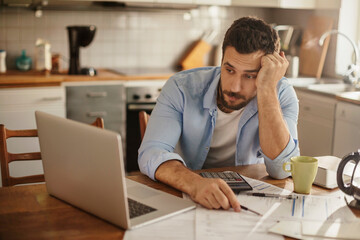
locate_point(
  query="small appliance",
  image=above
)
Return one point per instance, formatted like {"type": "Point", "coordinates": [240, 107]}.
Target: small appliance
{"type": "Point", "coordinates": [348, 177]}
{"type": "Point", "coordinates": [79, 36]}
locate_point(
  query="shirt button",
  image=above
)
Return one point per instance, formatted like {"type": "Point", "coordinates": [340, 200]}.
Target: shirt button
{"type": "Point", "coordinates": [207, 148]}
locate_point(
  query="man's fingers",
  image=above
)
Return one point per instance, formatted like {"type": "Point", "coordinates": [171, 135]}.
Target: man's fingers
{"type": "Point", "coordinates": [206, 204]}
{"type": "Point", "coordinates": [282, 54]}
{"type": "Point", "coordinates": [222, 199]}
{"type": "Point", "coordinates": [231, 197]}
{"type": "Point", "coordinates": [212, 200]}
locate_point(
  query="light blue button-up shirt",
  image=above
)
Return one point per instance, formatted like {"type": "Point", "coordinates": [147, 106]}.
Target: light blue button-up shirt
{"type": "Point", "coordinates": [185, 116]}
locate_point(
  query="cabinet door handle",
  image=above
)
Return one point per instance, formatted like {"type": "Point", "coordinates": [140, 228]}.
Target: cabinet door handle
{"type": "Point", "coordinates": [96, 114]}
{"type": "Point", "coordinates": [56, 98]}
{"type": "Point", "coordinates": [96, 94]}
{"type": "Point", "coordinates": [343, 113]}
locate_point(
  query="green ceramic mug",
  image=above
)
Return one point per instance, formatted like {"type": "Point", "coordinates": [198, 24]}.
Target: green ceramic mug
{"type": "Point", "coordinates": [303, 170]}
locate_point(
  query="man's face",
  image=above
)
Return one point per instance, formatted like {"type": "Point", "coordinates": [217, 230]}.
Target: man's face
{"type": "Point", "coordinates": [238, 78]}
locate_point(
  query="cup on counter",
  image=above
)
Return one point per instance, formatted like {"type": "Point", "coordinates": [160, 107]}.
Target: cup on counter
{"type": "Point", "coordinates": [293, 68]}
{"type": "Point", "coordinates": [303, 170]}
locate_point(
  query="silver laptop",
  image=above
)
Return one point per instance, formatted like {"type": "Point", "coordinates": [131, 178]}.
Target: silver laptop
{"type": "Point", "coordinates": [84, 166]}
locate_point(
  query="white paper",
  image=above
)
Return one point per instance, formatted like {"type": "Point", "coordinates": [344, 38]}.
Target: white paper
{"type": "Point", "coordinates": [181, 226]}
{"type": "Point", "coordinates": [340, 230]}
{"type": "Point", "coordinates": [305, 207]}
{"type": "Point", "coordinates": [292, 229]}
{"type": "Point", "coordinates": [222, 224]}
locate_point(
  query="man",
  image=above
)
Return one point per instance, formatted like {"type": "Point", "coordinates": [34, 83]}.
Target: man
{"type": "Point", "coordinates": [241, 113]}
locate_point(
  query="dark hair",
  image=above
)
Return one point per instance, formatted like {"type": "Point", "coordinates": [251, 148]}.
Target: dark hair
{"type": "Point", "coordinates": [250, 34]}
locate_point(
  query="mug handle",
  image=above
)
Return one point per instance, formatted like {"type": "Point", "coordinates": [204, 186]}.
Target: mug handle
{"type": "Point", "coordinates": [291, 166]}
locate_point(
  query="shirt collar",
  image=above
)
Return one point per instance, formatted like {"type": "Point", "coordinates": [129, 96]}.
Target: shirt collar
{"type": "Point", "coordinates": [211, 93]}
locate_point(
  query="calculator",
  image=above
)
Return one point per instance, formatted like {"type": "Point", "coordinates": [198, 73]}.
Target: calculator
{"type": "Point", "coordinates": [235, 181]}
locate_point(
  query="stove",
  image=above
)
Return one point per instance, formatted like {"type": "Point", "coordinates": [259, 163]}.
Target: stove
{"type": "Point", "coordinates": [140, 96]}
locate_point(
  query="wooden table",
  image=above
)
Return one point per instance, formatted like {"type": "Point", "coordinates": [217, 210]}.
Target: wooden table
{"type": "Point", "coordinates": [28, 212]}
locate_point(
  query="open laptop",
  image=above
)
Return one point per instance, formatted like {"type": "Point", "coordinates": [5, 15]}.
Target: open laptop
{"type": "Point", "coordinates": [84, 166]}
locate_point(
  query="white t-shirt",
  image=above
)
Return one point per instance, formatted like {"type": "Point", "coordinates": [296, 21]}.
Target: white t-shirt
{"type": "Point", "coordinates": [223, 142]}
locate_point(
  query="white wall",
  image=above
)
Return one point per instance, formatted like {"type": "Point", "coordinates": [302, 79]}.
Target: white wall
{"type": "Point", "coordinates": [348, 24]}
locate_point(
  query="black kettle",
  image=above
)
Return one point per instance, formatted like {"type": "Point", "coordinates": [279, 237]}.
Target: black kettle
{"type": "Point", "coordinates": [348, 177]}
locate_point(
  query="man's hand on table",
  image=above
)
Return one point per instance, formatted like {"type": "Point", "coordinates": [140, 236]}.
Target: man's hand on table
{"type": "Point", "coordinates": [214, 194]}
{"type": "Point", "coordinates": [209, 192]}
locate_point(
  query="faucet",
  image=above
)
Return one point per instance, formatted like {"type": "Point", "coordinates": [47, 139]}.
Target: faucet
{"type": "Point", "coordinates": [353, 72]}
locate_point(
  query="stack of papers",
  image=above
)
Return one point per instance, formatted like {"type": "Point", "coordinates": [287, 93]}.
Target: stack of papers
{"type": "Point", "coordinates": [304, 217]}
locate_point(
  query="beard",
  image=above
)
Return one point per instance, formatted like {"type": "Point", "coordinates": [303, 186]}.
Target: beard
{"type": "Point", "coordinates": [230, 106]}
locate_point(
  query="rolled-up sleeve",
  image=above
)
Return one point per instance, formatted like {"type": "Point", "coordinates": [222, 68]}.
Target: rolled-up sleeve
{"type": "Point", "coordinates": [163, 130]}
{"type": "Point", "coordinates": [290, 109]}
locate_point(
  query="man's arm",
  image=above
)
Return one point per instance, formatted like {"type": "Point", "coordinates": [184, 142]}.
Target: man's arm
{"type": "Point", "coordinates": [158, 160]}
{"type": "Point", "coordinates": [211, 193]}
{"type": "Point", "coordinates": [273, 132]}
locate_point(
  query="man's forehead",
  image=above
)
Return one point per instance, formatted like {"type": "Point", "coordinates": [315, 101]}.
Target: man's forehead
{"type": "Point", "coordinates": [250, 61]}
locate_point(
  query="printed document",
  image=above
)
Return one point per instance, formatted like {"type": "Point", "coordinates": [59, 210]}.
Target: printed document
{"type": "Point", "coordinates": [304, 207]}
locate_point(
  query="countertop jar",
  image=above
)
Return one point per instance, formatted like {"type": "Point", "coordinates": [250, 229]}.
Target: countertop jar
{"type": "Point", "coordinates": [23, 63]}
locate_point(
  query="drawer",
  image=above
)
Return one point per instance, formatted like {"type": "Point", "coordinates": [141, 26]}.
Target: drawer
{"type": "Point", "coordinates": [32, 96]}
{"type": "Point", "coordinates": [316, 105]}
{"type": "Point", "coordinates": [88, 113]}
{"type": "Point", "coordinates": [110, 123]}
{"type": "Point", "coordinates": [348, 112]}
{"type": "Point", "coordinates": [317, 109]}
{"type": "Point", "coordinates": [99, 95]}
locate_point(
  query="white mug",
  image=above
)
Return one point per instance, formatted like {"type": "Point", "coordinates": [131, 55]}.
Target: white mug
{"type": "Point", "coordinates": [293, 69]}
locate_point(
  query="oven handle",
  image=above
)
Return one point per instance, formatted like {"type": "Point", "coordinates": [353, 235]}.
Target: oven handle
{"type": "Point", "coordinates": [141, 106]}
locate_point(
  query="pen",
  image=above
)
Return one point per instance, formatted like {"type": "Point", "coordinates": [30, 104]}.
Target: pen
{"type": "Point", "coordinates": [247, 209]}
{"type": "Point", "coordinates": [257, 194]}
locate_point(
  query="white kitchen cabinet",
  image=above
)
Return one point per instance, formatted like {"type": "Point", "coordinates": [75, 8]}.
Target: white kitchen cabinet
{"type": "Point", "coordinates": [347, 129]}
{"type": "Point", "coordinates": [17, 108]}
{"type": "Point", "coordinates": [316, 123]}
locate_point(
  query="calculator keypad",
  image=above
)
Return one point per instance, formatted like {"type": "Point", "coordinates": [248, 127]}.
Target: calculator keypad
{"type": "Point", "coordinates": [233, 179]}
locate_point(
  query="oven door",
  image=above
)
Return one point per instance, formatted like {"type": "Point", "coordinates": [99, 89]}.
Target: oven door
{"type": "Point", "coordinates": [133, 138]}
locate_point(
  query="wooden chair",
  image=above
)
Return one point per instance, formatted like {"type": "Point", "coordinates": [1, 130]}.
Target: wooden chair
{"type": "Point", "coordinates": [7, 157]}
{"type": "Point", "coordinates": [143, 120]}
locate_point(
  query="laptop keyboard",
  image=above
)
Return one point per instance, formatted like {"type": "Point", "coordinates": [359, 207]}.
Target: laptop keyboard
{"type": "Point", "coordinates": [137, 209]}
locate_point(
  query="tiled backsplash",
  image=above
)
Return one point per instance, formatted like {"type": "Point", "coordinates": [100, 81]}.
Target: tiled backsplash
{"type": "Point", "coordinates": [123, 38]}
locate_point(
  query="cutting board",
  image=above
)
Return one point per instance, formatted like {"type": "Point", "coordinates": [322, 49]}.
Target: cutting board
{"type": "Point", "coordinates": [195, 56]}
{"type": "Point", "coordinates": [312, 55]}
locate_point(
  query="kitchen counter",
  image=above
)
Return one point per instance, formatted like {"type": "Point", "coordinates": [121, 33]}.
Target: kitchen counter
{"type": "Point", "coordinates": [14, 78]}
{"type": "Point", "coordinates": [328, 87]}
{"type": "Point", "coordinates": [351, 97]}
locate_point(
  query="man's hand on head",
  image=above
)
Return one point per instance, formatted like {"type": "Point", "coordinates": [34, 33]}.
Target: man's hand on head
{"type": "Point", "coordinates": [273, 68]}
{"type": "Point", "coordinates": [214, 194]}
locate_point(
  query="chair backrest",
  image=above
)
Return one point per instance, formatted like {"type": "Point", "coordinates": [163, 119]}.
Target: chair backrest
{"type": "Point", "coordinates": [7, 157]}
{"type": "Point", "coordinates": [143, 120]}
